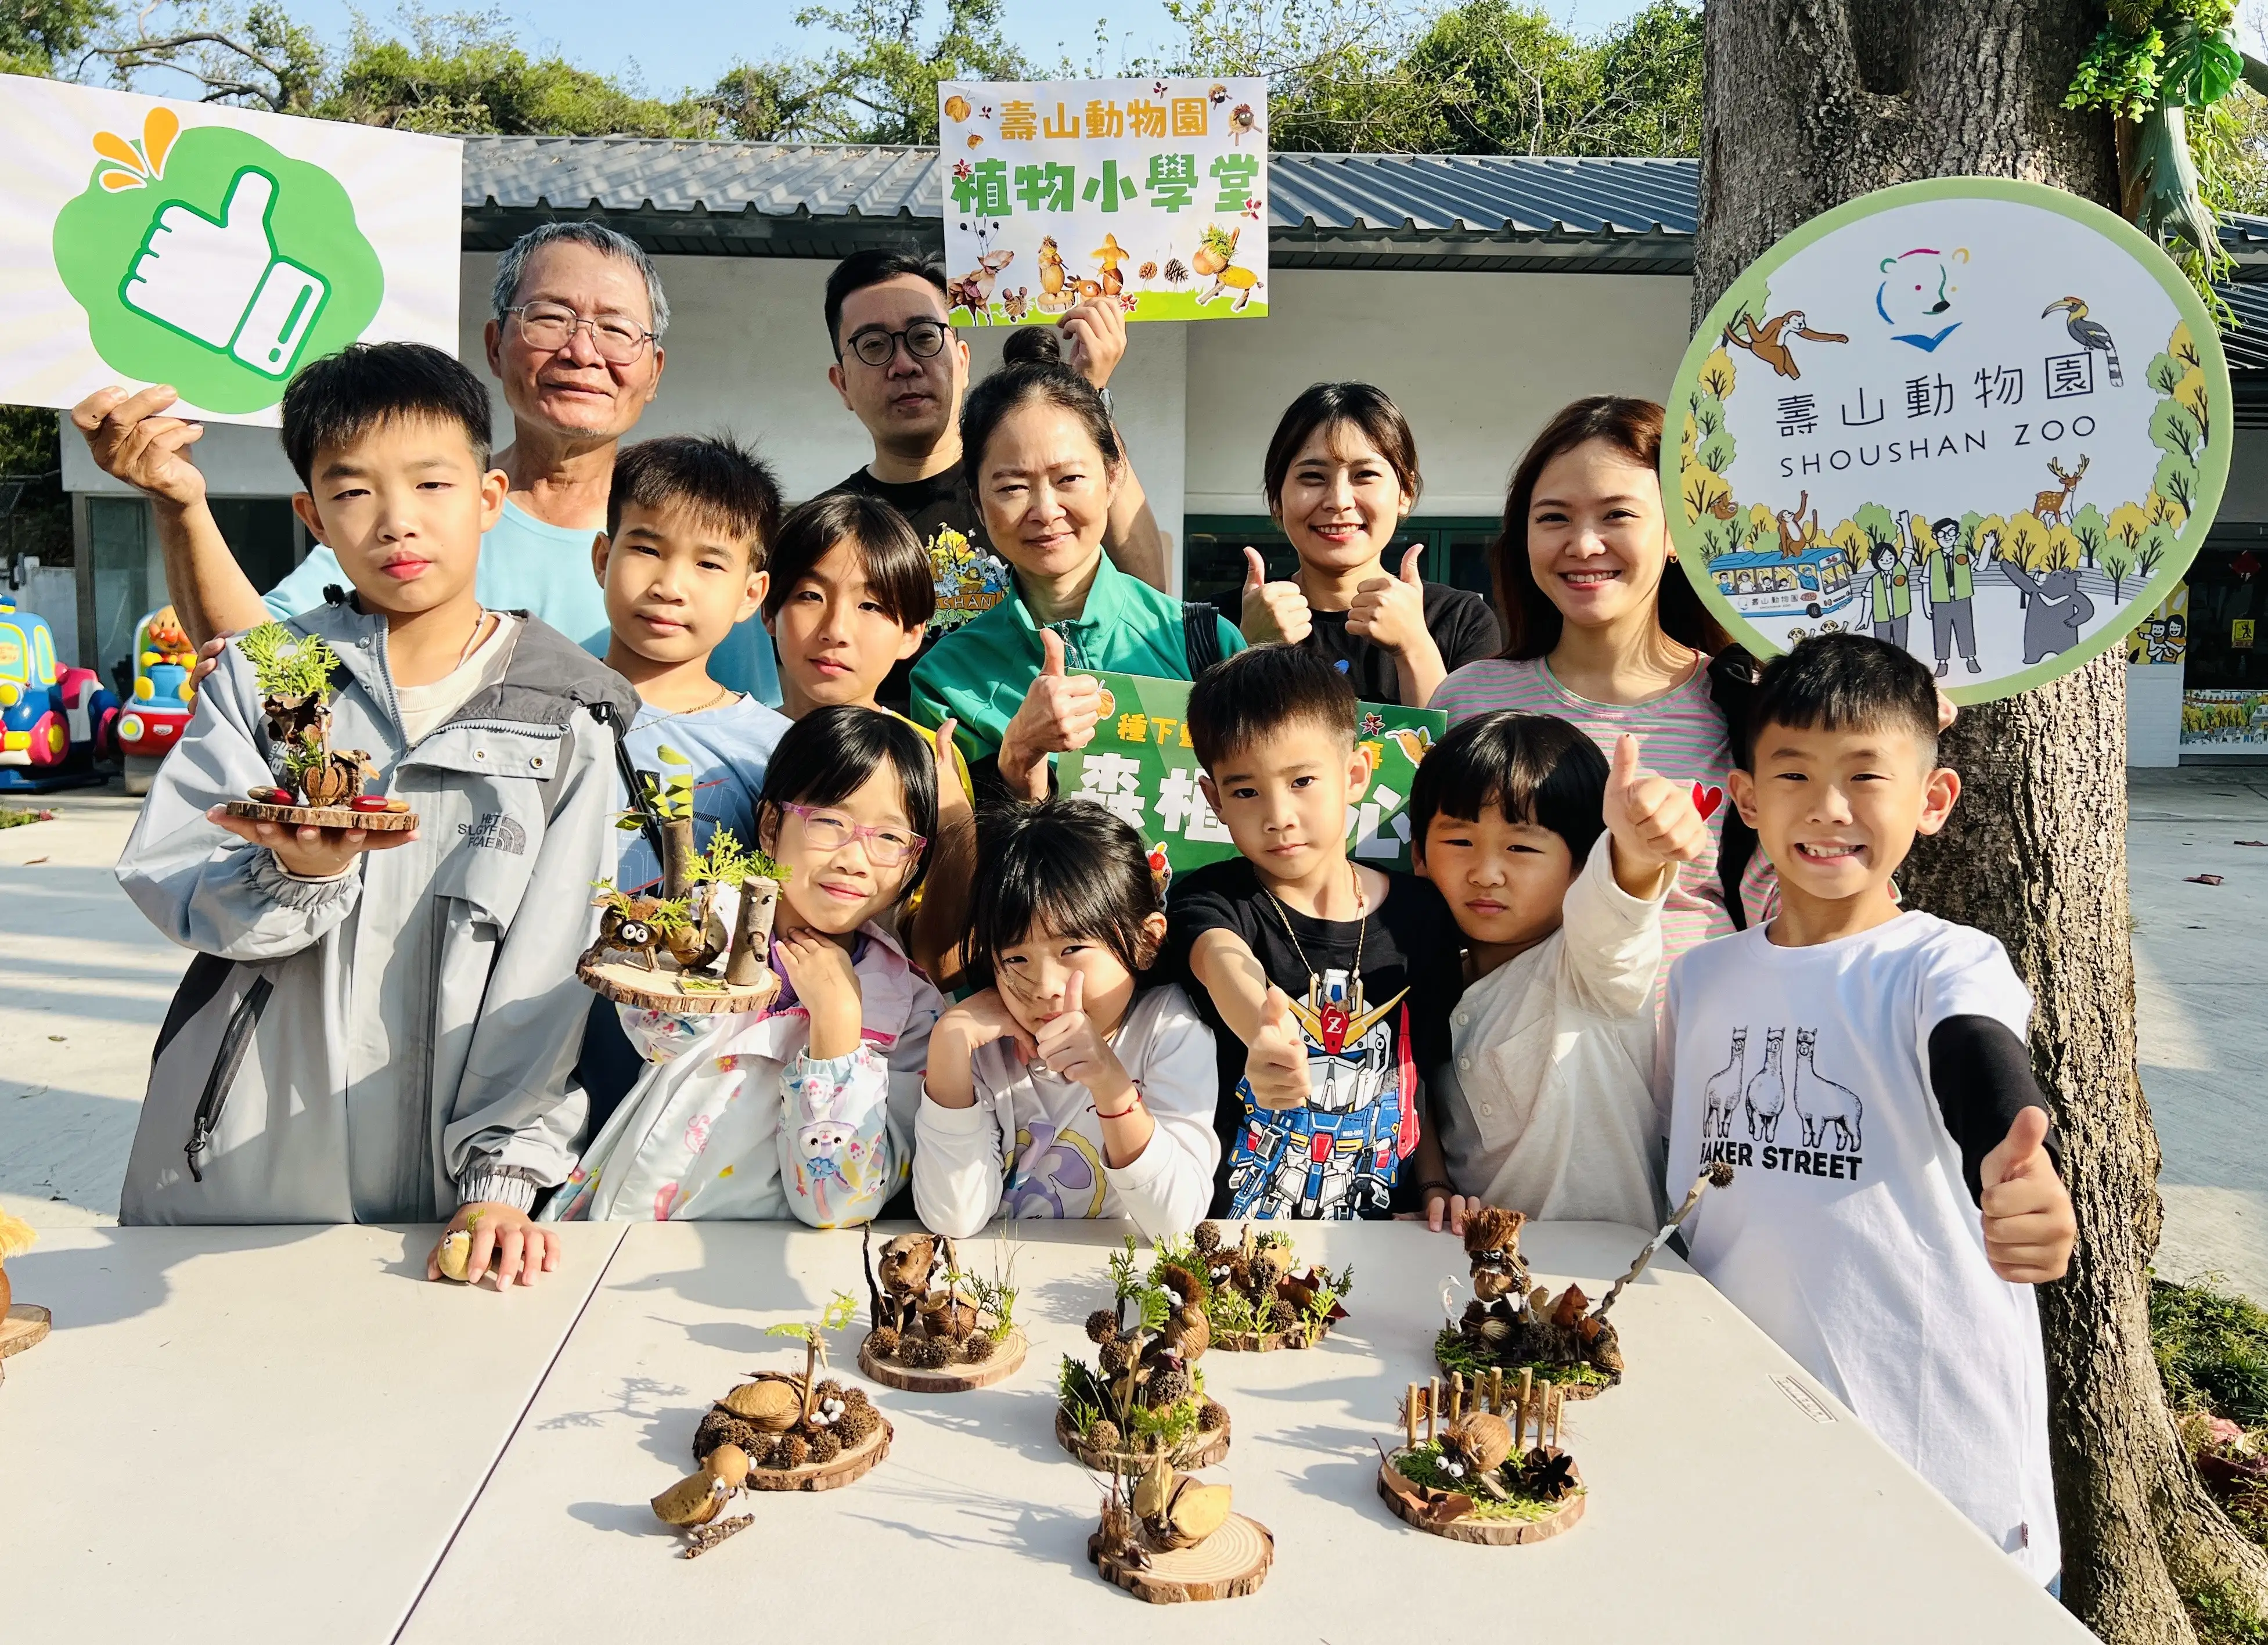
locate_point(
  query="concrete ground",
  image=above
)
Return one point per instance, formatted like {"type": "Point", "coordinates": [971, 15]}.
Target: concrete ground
{"type": "Point", "coordinates": [84, 981]}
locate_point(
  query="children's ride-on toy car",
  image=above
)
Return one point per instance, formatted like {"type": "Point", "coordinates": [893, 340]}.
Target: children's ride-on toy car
{"type": "Point", "coordinates": [58, 726]}
{"type": "Point", "coordinates": [163, 696]}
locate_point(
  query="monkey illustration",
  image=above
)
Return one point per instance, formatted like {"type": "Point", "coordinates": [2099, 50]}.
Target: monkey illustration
{"type": "Point", "coordinates": [1794, 537]}
{"type": "Point", "coordinates": [1765, 340]}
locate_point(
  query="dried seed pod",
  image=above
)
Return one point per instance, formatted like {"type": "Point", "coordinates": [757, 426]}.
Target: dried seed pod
{"type": "Point", "coordinates": [719, 1427]}
{"type": "Point", "coordinates": [884, 1341]}
{"type": "Point", "coordinates": [945, 1319]}
{"type": "Point", "coordinates": [728, 1466]}
{"type": "Point", "coordinates": [1101, 1326]}
{"type": "Point", "coordinates": [826, 1447]}
{"type": "Point", "coordinates": [1207, 1237]}
{"type": "Point", "coordinates": [978, 1348]}
{"type": "Point", "coordinates": [1176, 1509]}
{"type": "Point", "coordinates": [1117, 1356]}
{"type": "Point", "coordinates": [1479, 1440]}
{"type": "Point", "coordinates": [771, 1404]}
{"type": "Point", "coordinates": [1569, 1308]}
{"type": "Point", "coordinates": [1104, 1436]}
{"type": "Point", "coordinates": [456, 1251]}
{"type": "Point", "coordinates": [1168, 1386]}
{"type": "Point", "coordinates": [856, 1422]}
{"type": "Point", "coordinates": [792, 1452]}
{"type": "Point", "coordinates": [1214, 1418]}
{"type": "Point", "coordinates": [1282, 1316]}
{"type": "Point", "coordinates": [692, 1501]}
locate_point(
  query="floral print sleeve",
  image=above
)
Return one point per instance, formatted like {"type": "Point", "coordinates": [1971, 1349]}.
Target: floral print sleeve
{"type": "Point", "coordinates": [836, 1161]}
{"type": "Point", "coordinates": [663, 1036]}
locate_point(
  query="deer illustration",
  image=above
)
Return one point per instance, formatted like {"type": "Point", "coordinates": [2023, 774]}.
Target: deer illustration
{"type": "Point", "coordinates": [2051, 506]}
{"type": "Point", "coordinates": [1766, 1096]}
{"type": "Point", "coordinates": [1724, 1089]}
{"type": "Point", "coordinates": [1821, 1103]}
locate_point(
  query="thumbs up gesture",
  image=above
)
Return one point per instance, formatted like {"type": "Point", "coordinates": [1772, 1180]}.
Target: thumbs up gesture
{"type": "Point", "coordinates": [1275, 1062]}
{"type": "Point", "coordinates": [1390, 611]}
{"type": "Point", "coordinates": [1653, 820]}
{"type": "Point", "coordinates": [1058, 713]}
{"type": "Point", "coordinates": [2028, 1225]}
{"type": "Point", "coordinates": [221, 282]}
{"type": "Point", "coordinates": [1273, 612]}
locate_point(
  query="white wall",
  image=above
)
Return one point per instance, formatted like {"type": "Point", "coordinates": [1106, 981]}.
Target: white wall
{"type": "Point", "coordinates": [2246, 495]}
{"type": "Point", "coordinates": [1477, 362]}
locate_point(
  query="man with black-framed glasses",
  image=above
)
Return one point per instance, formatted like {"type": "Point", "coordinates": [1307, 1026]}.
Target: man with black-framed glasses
{"type": "Point", "coordinates": [902, 371]}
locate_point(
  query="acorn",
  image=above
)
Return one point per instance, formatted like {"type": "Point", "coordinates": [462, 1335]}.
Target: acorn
{"type": "Point", "coordinates": [455, 1253]}
{"type": "Point", "coordinates": [399, 808]}
{"type": "Point", "coordinates": [728, 1466]}
{"type": "Point", "coordinates": [771, 1405]}
{"type": "Point", "coordinates": [1103, 1326]}
{"type": "Point", "coordinates": [884, 1341]}
{"type": "Point", "coordinates": [1176, 1509]}
{"type": "Point", "coordinates": [1478, 1441]}
{"type": "Point", "coordinates": [692, 1501]}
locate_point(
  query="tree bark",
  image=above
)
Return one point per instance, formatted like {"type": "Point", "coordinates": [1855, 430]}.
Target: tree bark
{"type": "Point", "coordinates": [1809, 103]}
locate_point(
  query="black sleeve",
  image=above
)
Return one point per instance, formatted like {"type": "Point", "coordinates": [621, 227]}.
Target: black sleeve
{"type": "Point", "coordinates": [1471, 635]}
{"type": "Point", "coordinates": [1204, 902]}
{"type": "Point", "coordinates": [1982, 1077]}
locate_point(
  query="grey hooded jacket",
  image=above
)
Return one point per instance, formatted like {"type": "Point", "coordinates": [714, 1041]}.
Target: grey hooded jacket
{"type": "Point", "coordinates": [380, 1047]}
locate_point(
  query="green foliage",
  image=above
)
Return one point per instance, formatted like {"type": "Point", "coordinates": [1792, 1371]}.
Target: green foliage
{"type": "Point", "coordinates": [38, 36]}
{"type": "Point", "coordinates": [1880, 525]}
{"type": "Point", "coordinates": [2212, 1351]}
{"type": "Point", "coordinates": [878, 84]}
{"type": "Point", "coordinates": [2173, 430]}
{"type": "Point", "coordinates": [1423, 1467]}
{"type": "Point", "coordinates": [728, 862]}
{"type": "Point", "coordinates": [1081, 1394]}
{"type": "Point", "coordinates": [287, 665]}
{"type": "Point", "coordinates": [1169, 1427]}
{"type": "Point", "coordinates": [670, 798]}
{"type": "Point", "coordinates": [2222, 1617]}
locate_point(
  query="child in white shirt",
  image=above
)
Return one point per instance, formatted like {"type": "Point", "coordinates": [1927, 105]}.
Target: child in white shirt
{"type": "Point", "coordinates": [1864, 1070]}
{"type": "Point", "coordinates": [1067, 1087]}
{"type": "Point", "coordinates": [1557, 867]}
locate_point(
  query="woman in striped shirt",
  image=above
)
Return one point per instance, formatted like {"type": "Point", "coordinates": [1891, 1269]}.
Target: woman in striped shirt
{"type": "Point", "coordinates": [1602, 631]}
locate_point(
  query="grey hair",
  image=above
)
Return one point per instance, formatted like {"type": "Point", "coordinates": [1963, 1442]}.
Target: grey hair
{"type": "Point", "coordinates": [512, 265]}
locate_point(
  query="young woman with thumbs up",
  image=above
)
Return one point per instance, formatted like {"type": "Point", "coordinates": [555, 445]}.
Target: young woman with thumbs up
{"type": "Point", "coordinates": [1044, 460]}
{"type": "Point", "coordinates": [1341, 476]}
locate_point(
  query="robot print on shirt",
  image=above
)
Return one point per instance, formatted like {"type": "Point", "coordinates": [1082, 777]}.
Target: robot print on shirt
{"type": "Point", "coordinates": [1337, 1156]}
{"type": "Point", "coordinates": [1828, 1114]}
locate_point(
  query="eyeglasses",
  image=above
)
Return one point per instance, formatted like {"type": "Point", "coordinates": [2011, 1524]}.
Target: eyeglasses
{"type": "Point", "coordinates": [618, 338]}
{"type": "Point", "coordinates": [924, 339]}
{"type": "Point", "coordinates": [885, 847]}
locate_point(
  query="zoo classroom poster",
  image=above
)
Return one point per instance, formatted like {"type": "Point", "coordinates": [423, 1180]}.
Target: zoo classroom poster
{"type": "Point", "coordinates": [145, 240]}
{"type": "Point", "coordinates": [1984, 420]}
{"type": "Point", "coordinates": [1152, 192]}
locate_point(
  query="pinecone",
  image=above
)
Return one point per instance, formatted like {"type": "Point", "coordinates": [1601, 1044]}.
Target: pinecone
{"type": "Point", "coordinates": [884, 1341]}
{"type": "Point", "coordinates": [1104, 1436]}
{"type": "Point", "coordinates": [826, 1448]}
{"type": "Point", "coordinates": [978, 1348]}
{"type": "Point", "coordinates": [1207, 1237]}
{"type": "Point", "coordinates": [856, 1422]}
{"type": "Point", "coordinates": [721, 1427]}
{"type": "Point", "coordinates": [1116, 1356]}
{"type": "Point", "coordinates": [1102, 1325]}
{"type": "Point", "coordinates": [1168, 1387]}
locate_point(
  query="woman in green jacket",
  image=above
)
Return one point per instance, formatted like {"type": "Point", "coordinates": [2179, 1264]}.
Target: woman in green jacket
{"type": "Point", "coordinates": [1043, 462]}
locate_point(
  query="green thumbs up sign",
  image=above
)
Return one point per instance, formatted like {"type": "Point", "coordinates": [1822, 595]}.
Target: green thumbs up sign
{"type": "Point", "coordinates": [222, 282]}
{"type": "Point", "coordinates": [221, 268]}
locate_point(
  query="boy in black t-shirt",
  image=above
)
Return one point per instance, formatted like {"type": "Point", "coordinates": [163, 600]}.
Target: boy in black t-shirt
{"type": "Point", "coordinates": [1326, 985]}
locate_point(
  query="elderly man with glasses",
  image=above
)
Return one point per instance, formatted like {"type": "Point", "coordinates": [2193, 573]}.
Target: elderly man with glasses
{"type": "Point", "coordinates": [576, 342]}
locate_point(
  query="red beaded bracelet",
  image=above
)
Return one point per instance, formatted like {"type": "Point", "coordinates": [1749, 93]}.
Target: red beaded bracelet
{"type": "Point", "coordinates": [1122, 1113]}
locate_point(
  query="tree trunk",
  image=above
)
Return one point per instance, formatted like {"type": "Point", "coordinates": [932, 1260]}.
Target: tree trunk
{"type": "Point", "coordinates": [1809, 103]}
{"type": "Point", "coordinates": [677, 858]}
{"type": "Point", "coordinates": [751, 931]}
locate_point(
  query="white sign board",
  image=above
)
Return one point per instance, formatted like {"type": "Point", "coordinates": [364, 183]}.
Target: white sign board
{"type": "Point", "coordinates": [144, 241]}
{"type": "Point", "coordinates": [1154, 192]}
{"type": "Point", "coordinates": [1984, 420]}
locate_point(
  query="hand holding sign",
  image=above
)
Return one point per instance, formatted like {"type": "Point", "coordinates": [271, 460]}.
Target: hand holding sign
{"type": "Point", "coordinates": [221, 282]}
{"type": "Point", "coordinates": [2028, 1225]}
{"type": "Point", "coordinates": [1273, 612]}
{"type": "Point", "coordinates": [1276, 1063]}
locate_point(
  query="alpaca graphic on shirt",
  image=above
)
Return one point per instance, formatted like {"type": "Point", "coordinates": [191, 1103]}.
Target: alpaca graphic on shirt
{"type": "Point", "coordinates": [1766, 1097]}
{"type": "Point", "coordinates": [1820, 1102]}
{"type": "Point", "coordinates": [1724, 1089]}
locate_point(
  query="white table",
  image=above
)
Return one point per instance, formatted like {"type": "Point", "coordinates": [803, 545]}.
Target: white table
{"type": "Point", "coordinates": [1722, 1506]}
{"type": "Point", "coordinates": [246, 1434]}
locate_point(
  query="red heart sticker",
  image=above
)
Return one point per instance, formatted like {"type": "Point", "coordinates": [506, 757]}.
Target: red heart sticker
{"type": "Point", "coordinates": [1706, 799]}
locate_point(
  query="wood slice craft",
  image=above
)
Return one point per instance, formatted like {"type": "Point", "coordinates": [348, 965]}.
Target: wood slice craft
{"type": "Point", "coordinates": [1233, 1561]}
{"type": "Point", "coordinates": [323, 816]}
{"type": "Point", "coordinates": [1268, 1342]}
{"type": "Point", "coordinates": [1407, 1498]}
{"type": "Point", "coordinates": [1567, 1391]}
{"type": "Point", "coordinates": [24, 1324]}
{"type": "Point", "coordinates": [628, 983]}
{"type": "Point", "coordinates": [1201, 1450]}
{"type": "Point", "coordinates": [854, 1463]}
{"type": "Point", "coordinates": [1006, 1358]}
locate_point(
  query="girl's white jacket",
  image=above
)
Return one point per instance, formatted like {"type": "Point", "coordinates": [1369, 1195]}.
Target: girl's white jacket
{"type": "Point", "coordinates": [1031, 1147]}
{"type": "Point", "coordinates": [736, 1119]}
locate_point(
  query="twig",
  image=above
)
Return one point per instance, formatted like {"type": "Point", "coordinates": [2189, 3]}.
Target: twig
{"type": "Point", "coordinates": [1716, 1175]}
{"type": "Point", "coordinates": [699, 1542]}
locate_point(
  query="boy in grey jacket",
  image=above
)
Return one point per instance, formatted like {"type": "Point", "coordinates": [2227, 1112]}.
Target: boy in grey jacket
{"type": "Point", "coordinates": [380, 1026]}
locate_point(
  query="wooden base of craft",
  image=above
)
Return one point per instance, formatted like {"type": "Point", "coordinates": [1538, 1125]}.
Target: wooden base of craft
{"type": "Point", "coordinates": [628, 983]}
{"type": "Point", "coordinates": [1201, 1450]}
{"type": "Point", "coordinates": [1007, 1357]}
{"type": "Point", "coordinates": [1567, 1391]}
{"type": "Point", "coordinates": [854, 1463]}
{"type": "Point", "coordinates": [323, 816]}
{"type": "Point", "coordinates": [1405, 1497]}
{"type": "Point", "coordinates": [1267, 1341]}
{"type": "Point", "coordinates": [1233, 1561]}
{"type": "Point", "coordinates": [24, 1324]}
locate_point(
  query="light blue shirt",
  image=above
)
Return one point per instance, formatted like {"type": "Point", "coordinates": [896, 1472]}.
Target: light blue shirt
{"type": "Point", "coordinates": [528, 565]}
{"type": "Point", "coordinates": [727, 750]}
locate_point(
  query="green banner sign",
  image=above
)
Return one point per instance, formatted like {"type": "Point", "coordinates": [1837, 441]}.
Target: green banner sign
{"type": "Point", "coordinates": [1142, 767]}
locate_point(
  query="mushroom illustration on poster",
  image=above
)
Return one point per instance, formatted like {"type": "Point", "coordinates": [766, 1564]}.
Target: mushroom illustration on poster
{"type": "Point", "coordinates": [1152, 192]}
{"type": "Point", "coordinates": [1984, 420]}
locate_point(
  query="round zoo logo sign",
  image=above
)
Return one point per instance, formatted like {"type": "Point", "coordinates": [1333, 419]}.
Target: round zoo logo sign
{"type": "Point", "coordinates": [209, 260]}
{"type": "Point", "coordinates": [1984, 420]}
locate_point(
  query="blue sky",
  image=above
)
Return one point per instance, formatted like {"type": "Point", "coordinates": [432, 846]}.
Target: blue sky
{"type": "Point", "coordinates": [676, 43]}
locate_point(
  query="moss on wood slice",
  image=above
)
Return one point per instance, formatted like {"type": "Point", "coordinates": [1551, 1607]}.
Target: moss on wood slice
{"type": "Point", "coordinates": [1201, 1450]}
{"type": "Point", "coordinates": [1269, 1341]}
{"type": "Point", "coordinates": [1407, 1499]}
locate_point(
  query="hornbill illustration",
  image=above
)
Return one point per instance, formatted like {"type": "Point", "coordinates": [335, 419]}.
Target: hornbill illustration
{"type": "Point", "coordinates": [2088, 334]}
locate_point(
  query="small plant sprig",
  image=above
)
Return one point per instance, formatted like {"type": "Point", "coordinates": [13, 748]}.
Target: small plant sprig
{"type": "Point", "coordinates": [287, 665]}
{"type": "Point", "coordinates": [996, 1297]}
{"type": "Point", "coordinates": [729, 862]}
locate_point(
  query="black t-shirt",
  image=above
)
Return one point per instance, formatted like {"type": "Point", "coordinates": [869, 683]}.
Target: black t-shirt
{"type": "Point", "coordinates": [1370, 1055]}
{"type": "Point", "coordinates": [930, 506]}
{"type": "Point", "coordinates": [1461, 623]}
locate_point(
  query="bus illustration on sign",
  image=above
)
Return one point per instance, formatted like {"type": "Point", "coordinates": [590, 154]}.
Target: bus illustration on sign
{"type": "Point", "coordinates": [1765, 582]}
